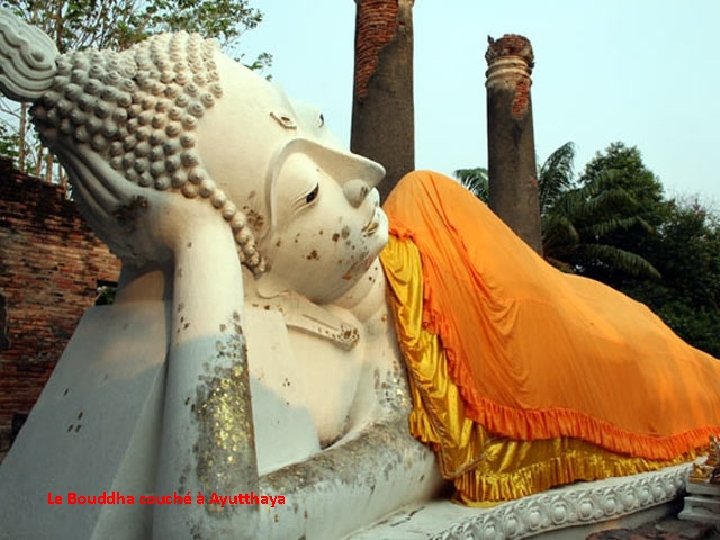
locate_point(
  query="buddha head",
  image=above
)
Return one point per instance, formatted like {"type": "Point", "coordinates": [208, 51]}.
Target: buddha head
{"type": "Point", "coordinates": [173, 119]}
{"type": "Point", "coordinates": [311, 205]}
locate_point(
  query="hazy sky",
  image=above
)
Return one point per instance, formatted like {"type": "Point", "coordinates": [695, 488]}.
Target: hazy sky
{"type": "Point", "coordinates": [645, 72]}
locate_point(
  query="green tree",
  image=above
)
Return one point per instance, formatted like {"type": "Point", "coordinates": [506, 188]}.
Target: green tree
{"type": "Point", "coordinates": [476, 180]}
{"type": "Point", "coordinates": [579, 231]}
{"type": "Point", "coordinates": [629, 174]}
{"type": "Point", "coordinates": [556, 176]}
{"type": "Point", "coordinates": [118, 24]}
{"type": "Point", "coordinates": [9, 144]}
{"type": "Point", "coordinates": [594, 225]}
{"type": "Point", "coordinates": [614, 224]}
{"type": "Point", "coordinates": [686, 251]}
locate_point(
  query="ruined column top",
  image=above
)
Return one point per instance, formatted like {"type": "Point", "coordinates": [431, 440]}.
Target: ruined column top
{"type": "Point", "coordinates": [411, 2]}
{"type": "Point", "coordinates": [509, 45]}
{"type": "Point", "coordinates": [510, 59]}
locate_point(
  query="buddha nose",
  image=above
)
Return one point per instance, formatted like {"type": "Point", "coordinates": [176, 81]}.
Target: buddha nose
{"type": "Point", "coordinates": [356, 191]}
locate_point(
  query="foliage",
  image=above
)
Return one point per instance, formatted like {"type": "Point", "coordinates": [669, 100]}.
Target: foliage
{"type": "Point", "coordinates": [587, 224]}
{"type": "Point", "coordinates": [476, 180]}
{"type": "Point", "coordinates": [119, 24]}
{"type": "Point", "coordinates": [629, 174]}
{"type": "Point", "coordinates": [106, 295]}
{"type": "Point", "coordinates": [9, 140]}
{"type": "Point", "coordinates": [614, 224]}
{"type": "Point", "coordinates": [686, 251]}
{"type": "Point", "coordinates": [556, 176]}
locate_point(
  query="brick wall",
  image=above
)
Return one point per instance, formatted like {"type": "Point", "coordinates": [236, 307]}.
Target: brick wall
{"type": "Point", "coordinates": [511, 45]}
{"type": "Point", "coordinates": [50, 265]}
{"type": "Point", "coordinates": [375, 27]}
{"type": "Point", "coordinates": [518, 46]}
{"type": "Point", "coordinates": [383, 110]}
{"type": "Point", "coordinates": [514, 192]}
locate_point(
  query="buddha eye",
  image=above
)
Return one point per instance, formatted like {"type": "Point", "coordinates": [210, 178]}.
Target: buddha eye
{"type": "Point", "coordinates": [310, 197]}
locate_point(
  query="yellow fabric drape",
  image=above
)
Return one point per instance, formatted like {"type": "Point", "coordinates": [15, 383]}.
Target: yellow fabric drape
{"type": "Point", "coordinates": [484, 469]}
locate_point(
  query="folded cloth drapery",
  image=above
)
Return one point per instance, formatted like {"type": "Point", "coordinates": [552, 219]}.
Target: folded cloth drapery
{"type": "Point", "coordinates": [504, 350]}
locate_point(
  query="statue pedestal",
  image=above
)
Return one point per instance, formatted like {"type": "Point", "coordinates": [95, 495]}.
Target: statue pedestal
{"type": "Point", "coordinates": [702, 503]}
{"type": "Point", "coordinates": [93, 430]}
{"type": "Point", "coordinates": [570, 512]}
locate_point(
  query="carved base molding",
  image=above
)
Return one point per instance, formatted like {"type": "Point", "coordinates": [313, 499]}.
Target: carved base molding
{"type": "Point", "coordinates": [570, 506]}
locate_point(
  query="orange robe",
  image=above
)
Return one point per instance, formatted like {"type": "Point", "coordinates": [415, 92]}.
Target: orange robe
{"type": "Point", "coordinates": [524, 377]}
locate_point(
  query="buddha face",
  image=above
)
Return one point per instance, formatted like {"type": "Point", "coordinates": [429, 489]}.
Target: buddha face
{"type": "Point", "coordinates": [329, 227]}
{"type": "Point", "coordinates": [312, 205]}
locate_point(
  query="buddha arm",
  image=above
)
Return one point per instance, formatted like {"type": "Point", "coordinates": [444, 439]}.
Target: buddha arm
{"type": "Point", "coordinates": [376, 467]}
{"type": "Point", "coordinates": [350, 485]}
{"type": "Point", "coordinates": [371, 471]}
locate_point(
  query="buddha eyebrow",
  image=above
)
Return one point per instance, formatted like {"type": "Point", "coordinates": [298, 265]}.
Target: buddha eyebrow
{"type": "Point", "coordinates": [284, 119]}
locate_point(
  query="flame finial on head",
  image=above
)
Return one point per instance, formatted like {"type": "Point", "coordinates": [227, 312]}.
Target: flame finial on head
{"type": "Point", "coordinates": [27, 59]}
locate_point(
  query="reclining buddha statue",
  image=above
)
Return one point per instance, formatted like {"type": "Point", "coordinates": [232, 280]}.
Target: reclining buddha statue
{"type": "Point", "coordinates": [314, 347]}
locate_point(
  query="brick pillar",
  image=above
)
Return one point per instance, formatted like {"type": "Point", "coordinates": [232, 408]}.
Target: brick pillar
{"type": "Point", "coordinates": [514, 193]}
{"type": "Point", "coordinates": [383, 114]}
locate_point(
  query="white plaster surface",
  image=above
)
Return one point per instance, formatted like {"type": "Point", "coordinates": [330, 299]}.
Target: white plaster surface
{"type": "Point", "coordinates": [93, 429]}
{"type": "Point", "coordinates": [702, 509]}
{"type": "Point", "coordinates": [249, 227]}
{"type": "Point", "coordinates": [702, 503]}
{"type": "Point", "coordinates": [548, 513]}
{"type": "Point", "coordinates": [284, 430]}
{"type": "Point", "coordinates": [708, 489]}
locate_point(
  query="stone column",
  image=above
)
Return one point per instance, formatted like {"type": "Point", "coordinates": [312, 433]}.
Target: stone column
{"type": "Point", "coordinates": [383, 113]}
{"type": "Point", "coordinates": [514, 192]}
